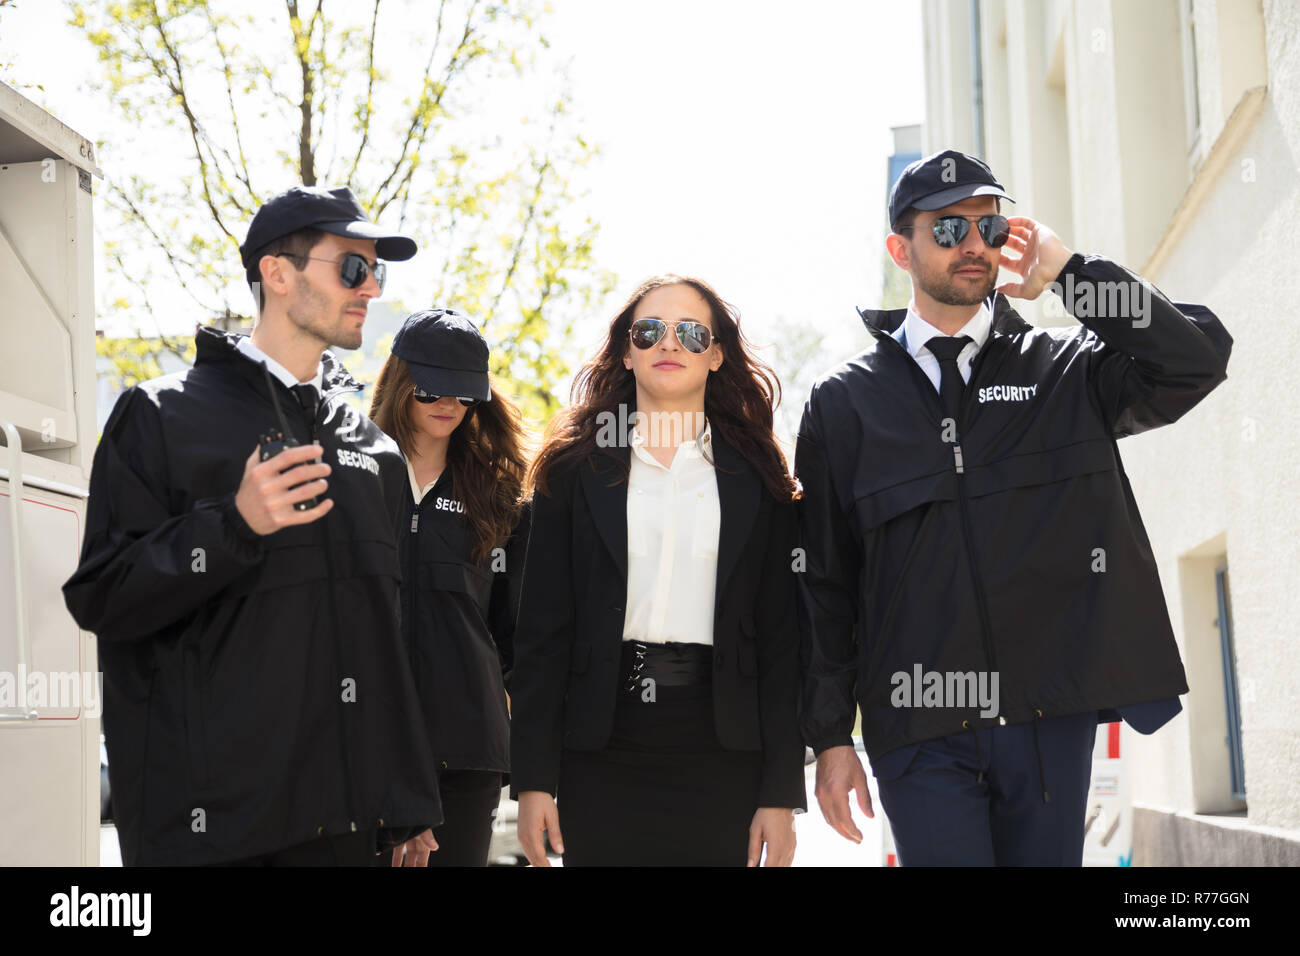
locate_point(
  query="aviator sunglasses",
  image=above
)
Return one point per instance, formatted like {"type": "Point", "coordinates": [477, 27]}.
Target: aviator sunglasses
{"type": "Point", "coordinates": [694, 336]}
{"type": "Point", "coordinates": [424, 398]}
{"type": "Point", "coordinates": [353, 268]}
{"type": "Point", "coordinates": [949, 231]}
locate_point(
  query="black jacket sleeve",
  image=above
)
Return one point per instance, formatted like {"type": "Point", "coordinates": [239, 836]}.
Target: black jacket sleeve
{"type": "Point", "coordinates": [503, 606]}
{"type": "Point", "coordinates": [828, 594]}
{"type": "Point", "coordinates": [1152, 360]}
{"type": "Point", "coordinates": [543, 642]}
{"type": "Point", "coordinates": [782, 782]}
{"type": "Point", "coordinates": [145, 564]}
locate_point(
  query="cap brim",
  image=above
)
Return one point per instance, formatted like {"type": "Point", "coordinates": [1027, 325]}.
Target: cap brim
{"type": "Point", "coordinates": [947, 197]}
{"type": "Point", "coordinates": [446, 381]}
{"type": "Point", "coordinates": [387, 246]}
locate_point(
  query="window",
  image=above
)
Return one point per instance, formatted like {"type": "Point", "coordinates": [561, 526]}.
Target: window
{"type": "Point", "coordinates": [1232, 702]}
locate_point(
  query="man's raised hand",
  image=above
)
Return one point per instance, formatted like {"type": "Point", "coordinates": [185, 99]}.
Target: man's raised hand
{"type": "Point", "coordinates": [1040, 257]}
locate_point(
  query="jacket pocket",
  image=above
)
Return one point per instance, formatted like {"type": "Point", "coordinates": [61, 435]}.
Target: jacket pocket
{"type": "Point", "coordinates": [1041, 468]}
{"type": "Point", "coordinates": [462, 578]}
{"type": "Point", "coordinates": [879, 508]}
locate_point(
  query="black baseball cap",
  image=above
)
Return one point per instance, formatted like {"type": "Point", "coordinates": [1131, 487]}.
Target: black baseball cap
{"type": "Point", "coordinates": [335, 210]}
{"type": "Point", "coordinates": [445, 353]}
{"type": "Point", "coordinates": [940, 180]}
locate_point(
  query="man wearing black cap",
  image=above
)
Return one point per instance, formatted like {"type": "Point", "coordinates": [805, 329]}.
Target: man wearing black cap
{"type": "Point", "coordinates": [978, 576]}
{"type": "Point", "coordinates": [239, 568]}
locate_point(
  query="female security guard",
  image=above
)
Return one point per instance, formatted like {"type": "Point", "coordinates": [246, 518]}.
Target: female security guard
{"type": "Point", "coordinates": [657, 671]}
{"type": "Point", "coordinates": [462, 541]}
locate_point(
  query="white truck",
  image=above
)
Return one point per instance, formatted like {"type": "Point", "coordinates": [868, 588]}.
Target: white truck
{"type": "Point", "coordinates": [50, 696]}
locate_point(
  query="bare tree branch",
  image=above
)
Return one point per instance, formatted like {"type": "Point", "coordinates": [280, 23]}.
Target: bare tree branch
{"type": "Point", "coordinates": [241, 172]}
{"type": "Point", "coordinates": [425, 107]}
{"type": "Point", "coordinates": [302, 50]}
{"type": "Point", "coordinates": [178, 89]}
{"type": "Point", "coordinates": [365, 118]}
{"type": "Point", "coordinates": [168, 343]}
{"type": "Point", "coordinates": [323, 67]}
{"type": "Point", "coordinates": [517, 249]}
{"type": "Point", "coordinates": [173, 259]}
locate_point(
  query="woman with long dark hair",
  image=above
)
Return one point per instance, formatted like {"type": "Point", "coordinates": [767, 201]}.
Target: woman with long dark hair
{"type": "Point", "coordinates": [461, 546]}
{"type": "Point", "coordinates": [657, 673]}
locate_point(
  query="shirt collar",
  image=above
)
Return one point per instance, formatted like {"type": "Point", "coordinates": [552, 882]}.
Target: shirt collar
{"type": "Point", "coordinates": [696, 445]}
{"type": "Point", "coordinates": [917, 331]}
{"type": "Point", "coordinates": [245, 345]}
{"type": "Point", "coordinates": [417, 492]}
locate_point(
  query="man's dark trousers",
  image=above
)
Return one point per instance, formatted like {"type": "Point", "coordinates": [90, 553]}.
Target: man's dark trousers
{"type": "Point", "coordinates": [943, 814]}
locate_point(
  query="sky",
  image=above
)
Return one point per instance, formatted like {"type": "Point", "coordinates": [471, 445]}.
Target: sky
{"type": "Point", "coordinates": [745, 142]}
{"type": "Point", "coordinates": [742, 142]}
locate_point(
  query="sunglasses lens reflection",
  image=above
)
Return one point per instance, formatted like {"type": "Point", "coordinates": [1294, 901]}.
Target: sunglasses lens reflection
{"type": "Point", "coordinates": [694, 336]}
{"type": "Point", "coordinates": [353, 271]}
{"type": "Point", "coordinates": [995, 230]}
{"type": "Point", "coordinates": [950, 231]}
{"type": "Point", "coordinates": [428, 398]}
{"type": "Point", "coordinates": [646, 332]}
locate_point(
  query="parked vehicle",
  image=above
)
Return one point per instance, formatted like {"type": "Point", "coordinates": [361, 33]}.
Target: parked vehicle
{"type": "Point", "coordinates": [49, 691]}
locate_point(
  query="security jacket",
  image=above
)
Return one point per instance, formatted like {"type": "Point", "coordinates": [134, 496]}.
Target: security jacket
{"type": "Point", "coordinates": [257, 690]}
{"type": "Point", "coordinates": [1008, 542]}
{"type": "Point", "coordinates": [458, 617]}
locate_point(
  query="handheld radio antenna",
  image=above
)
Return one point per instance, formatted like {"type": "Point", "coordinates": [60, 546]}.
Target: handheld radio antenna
{"type": "Point", "coordinates": [275, 400]}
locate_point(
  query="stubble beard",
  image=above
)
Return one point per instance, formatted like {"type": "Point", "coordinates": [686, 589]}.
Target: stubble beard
{"type": "Point", "coordinates": [310, 312]}
{"type": "Point", "coordinates": [941, 286]}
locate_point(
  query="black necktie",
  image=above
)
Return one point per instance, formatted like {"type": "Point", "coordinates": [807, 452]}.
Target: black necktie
{"type": "Point", "coordinates": [306, 395]}
{"type": "Point", "coordinates": [946, 349]}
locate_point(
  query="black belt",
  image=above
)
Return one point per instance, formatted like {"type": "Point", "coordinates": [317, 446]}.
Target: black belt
{"type": "Point", "coordinates": [669, 665]}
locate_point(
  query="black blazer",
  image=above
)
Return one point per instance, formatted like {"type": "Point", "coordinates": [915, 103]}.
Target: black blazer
{"type": "Point", "coordinates": [570, 629]}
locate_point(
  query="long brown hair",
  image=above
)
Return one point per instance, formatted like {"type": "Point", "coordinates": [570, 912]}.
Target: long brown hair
{"type": "Point", "coordinates": [738, 398]}
{"type": "Point", "coordinates": [485, 453]}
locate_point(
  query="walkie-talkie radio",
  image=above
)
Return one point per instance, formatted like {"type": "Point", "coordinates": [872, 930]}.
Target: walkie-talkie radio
{"type": "Point", "coordinates": [275, 440]}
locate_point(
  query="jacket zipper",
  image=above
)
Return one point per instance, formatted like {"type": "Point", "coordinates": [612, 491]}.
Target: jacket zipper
{"type": "Point", "coordinates": [334, 628]}
{"type": "Point", "coordinates": [968, 535]}
{"type": "Point", "coordinates": [981, 599]}
{"type": "Point", "coordinates": [413, 589]}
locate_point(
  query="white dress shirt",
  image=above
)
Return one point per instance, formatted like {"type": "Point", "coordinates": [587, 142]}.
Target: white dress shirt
{"type": "Point", "coordinates": [917, 332]}
{"type": "Point", "coordinates": [417, 492]}
{"type": "Point", "coordinates": [245, 345]}
{"type": "Point", "coordinates": [673, 521]}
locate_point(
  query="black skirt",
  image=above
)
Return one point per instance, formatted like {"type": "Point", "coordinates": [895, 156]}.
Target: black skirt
{"type": "Point", "coordinates": [664, 792]}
